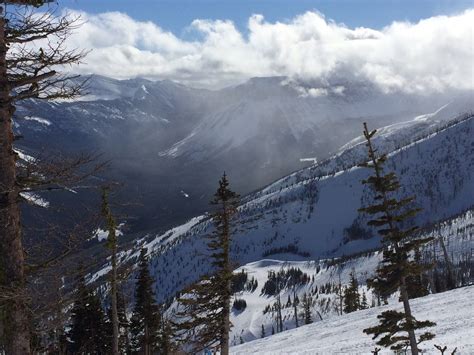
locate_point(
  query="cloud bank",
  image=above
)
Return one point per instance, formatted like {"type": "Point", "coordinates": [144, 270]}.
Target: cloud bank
{"type": "Point", "coordinates": [433, 55]}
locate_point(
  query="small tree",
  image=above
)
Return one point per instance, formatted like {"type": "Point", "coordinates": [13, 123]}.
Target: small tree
{"type": "Point", "coordinates": [88, 328]}
{"type": "Point", "coordinates": [262, 333]}
{"type": "Point", "coordinates": [145, 322]}
{"type": "Point", "coordinates": [397, 265]}
{"type": "Point", "coordinates": [307, 305]}
{"type": "Point", "coordinates": [351, 295]}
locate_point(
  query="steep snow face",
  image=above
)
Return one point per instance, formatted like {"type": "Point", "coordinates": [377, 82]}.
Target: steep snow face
{"type": "Point", "coordinates": [452, 311]}
{"type": "Point", "coordinates": [313, 215]}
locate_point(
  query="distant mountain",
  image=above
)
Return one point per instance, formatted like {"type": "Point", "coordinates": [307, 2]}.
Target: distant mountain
{"type": "Point", "coordinates": [168, 144]}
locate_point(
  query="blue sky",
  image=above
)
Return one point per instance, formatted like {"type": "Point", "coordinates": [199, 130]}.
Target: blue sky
{"type": "Point", "coordinates": [187, 41]}
{"type": "Point", "coordinates": [176, 15]}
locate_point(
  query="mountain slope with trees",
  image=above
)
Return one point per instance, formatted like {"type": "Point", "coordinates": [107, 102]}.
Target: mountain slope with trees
{"type": "Point", "coordinates": [301, 217]}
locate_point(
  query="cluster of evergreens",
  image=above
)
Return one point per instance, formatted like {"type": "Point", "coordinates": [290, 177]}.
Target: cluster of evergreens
{"type": "Point", "coordinates": [283, 279]}
{"type": "Point", "coordinates": [90, 327]}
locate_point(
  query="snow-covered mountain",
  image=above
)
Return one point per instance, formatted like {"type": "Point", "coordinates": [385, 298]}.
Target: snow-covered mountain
{"type": "Point", "coordinates": [313, 214]}
{"type": "Point", "coordinates": [163, 138]}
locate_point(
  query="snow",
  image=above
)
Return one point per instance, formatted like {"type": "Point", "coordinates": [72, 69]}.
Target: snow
{"type": "Point", "coordinates": [143, 87]}
{"type": "Point", "coordinates": [312, 160]}
{"type": "Point", "coordinates": [452, 311]}
{"type": "Point", "coordinates": [102, 235]}
{"type": "Point", "coordinates": [34, 199]}
{"type": "Point", "coordinates": [23, 156]}
{"type": "Point", "coordinates": [40, 120]}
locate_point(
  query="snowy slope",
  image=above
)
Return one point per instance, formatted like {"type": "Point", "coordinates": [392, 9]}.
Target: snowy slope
{"type": "Point", "coordinates": [316, 214]}
{"type": "Point", "coordinates": [453, 312]}
{"type": "Point", "coordinates": [458, 236]}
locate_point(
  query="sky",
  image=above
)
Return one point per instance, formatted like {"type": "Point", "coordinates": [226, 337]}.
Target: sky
{"type": "Point", "coordinates": [424, 45]}
{"type": "Point", "coordinates": [176, 15]}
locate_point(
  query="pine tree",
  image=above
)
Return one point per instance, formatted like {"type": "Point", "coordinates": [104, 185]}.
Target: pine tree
{"type": "Point", "coordinates": [307, 305]}
{"type": "Point", "coordinates": [351, 295]}
{"type": "Point", "coordinates": [88, 328]}
{"type": "Point", "coordinates": [165, 342]}
{"type": "Point", "coordinates": [208, 310]}
{"type": "Point", "coordinates": [390, 213]}
{"type": "Point", "coordinates": [145, 322]}
{"type": "Point", "coordinates": [363, 303]}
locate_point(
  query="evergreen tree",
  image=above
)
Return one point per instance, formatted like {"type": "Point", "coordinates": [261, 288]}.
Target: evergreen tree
{"type": "Point", "coordinates": [145, 322]}
{"type": "Point", "coordinates": [390, 213]}
{"type": "Point", "coordinates": [296, 301]}
{"type": "Point", "coordinates": [307, 305]}
{"type": "Point", "coordinates": [208, 310]}
{"type": "Point", "coordinates": [123, 325]}
{"type": "Point", "coordinates": [351, 295]}
{"type": "Point", "coordinates": [417, 285]}
{"type": "Point", "coordinates": [165, 343]}
{"type": "Point", "coordinates": [88, 329]}
{"type": "Point", "coordinates": [363, 303]}
{"type": "Point", "coordinates": [262, 333]}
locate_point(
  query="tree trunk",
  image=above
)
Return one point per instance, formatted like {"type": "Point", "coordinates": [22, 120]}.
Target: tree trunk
{"type": "Point", "coordinates": [115, 319]}
{"type": "Point", "coordinates": [295, 308]}
{"type": "Point", "coordinates": [228, 291]}
{"type": "Point", "coordinates": [408, 316]}
{"type": "Point", "coordinates": [450, 282]}
{"type": "Point", "coordinates": [12, 275]}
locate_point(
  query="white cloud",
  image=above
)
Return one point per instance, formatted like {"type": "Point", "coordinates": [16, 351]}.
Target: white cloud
{"type": "Point", "coordinates": [434, 54]}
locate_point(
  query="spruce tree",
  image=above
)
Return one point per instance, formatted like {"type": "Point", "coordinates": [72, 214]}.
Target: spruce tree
{"type": "Point", "coordinates": [88, 328]}
{"type": "Point", "coordinates": [165, 342]}
{"type": "Point", "coordinates": [307, 305]}
{"type": "Point", "coordinates": [145, 322]}
{"type": "Point", "coordinates": [363, 303]}
{"type": "Point", "coordinates": [351, 295]}
{"type": "Point", "coordinates": [207, 312]}
{"type": "Point", "coordinates": [390, 214]}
